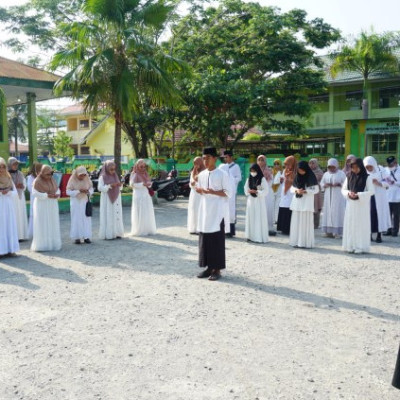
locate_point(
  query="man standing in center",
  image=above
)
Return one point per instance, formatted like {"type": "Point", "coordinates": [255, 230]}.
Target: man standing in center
{"type": "Point", "coordinates": [214, 187]}
{"type": "Point", "coordinates": [235, 176]}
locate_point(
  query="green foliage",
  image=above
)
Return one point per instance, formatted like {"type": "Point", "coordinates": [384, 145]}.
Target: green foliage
{"type": "Point", "coordinates": [62, 148]}
{"type": "Point", "coordinates": [45, 132]}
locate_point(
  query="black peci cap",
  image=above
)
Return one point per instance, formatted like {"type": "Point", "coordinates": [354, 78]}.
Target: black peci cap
{"type": "Point", "coordinates": [212, 151]}
{"type": "Point", "coordinates": [391, 159]}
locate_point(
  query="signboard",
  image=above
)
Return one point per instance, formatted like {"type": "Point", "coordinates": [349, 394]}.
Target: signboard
{"type": "Point", "coordinates": [382, 127]}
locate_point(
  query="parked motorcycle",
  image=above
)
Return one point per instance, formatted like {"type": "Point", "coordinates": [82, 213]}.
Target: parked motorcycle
{"type": "Point", "coordinates": [166, 189]}
{"type": "Point", "coordinates": [184, 186]}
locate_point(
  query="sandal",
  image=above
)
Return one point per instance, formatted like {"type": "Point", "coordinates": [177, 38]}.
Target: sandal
{"type": "Point", "coordinates": [214, 276]}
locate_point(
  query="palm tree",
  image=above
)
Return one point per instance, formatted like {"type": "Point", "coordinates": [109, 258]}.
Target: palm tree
{"type": "Point", "coordinates": [371, 53]}
{"type": "Point", "coordinates": [113, 58]}
{"type": "Point", "coordinates": [17, 124]}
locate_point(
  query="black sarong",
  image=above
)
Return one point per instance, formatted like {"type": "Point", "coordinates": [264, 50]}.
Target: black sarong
{"type": "Point", "coordinates": [212, 249]}
{"type": "Point", "coordinates": [284, 218]}
{"type": "Point", "coordinates": [396, 375]}
{"type": "Point", "coordinates": [374, 216]}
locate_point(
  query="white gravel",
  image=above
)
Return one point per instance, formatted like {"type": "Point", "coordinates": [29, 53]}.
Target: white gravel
{"type": "Point", "coordinates": [129, 320]}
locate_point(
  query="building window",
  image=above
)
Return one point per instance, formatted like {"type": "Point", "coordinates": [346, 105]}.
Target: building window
{"type": "Point", "coordinates": [320, 102]}
{"type": "Point", "coordinates": [354, 99]}
{"type": "Point", "coordinates": [384, 143]}
{"type": "Point", "coordinates": [84, 124]}
{"type": "Point", "coordinates": [389, 97]}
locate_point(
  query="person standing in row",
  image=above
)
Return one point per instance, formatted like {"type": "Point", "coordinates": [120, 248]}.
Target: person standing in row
{"type": "Point", "coordinates": [269, 198]}
{"type": "Point", "coordinates": [142, 213]}
{"type": "Point", "coordinates": [393, 179]}
{"type": "Point", "coordinates": [380, 212]}
{"type": "Point", "coordinates": [347, 166]}
{"type": "Point", "coordinates": [285, 212]}
{"type": "Point", "coordinates": [305, 187]}
{"type": "Point", "coordinates": [334, 202]}
{"type": "Point", "coordinates": [111, 218]}
{"type": "Point", "coordinates": [319, 197]}
{"type": "Point", "coordinates": [194, 197]}
{"type": "Point", "coordinates": [357, 189]}
{"type": "Point", "coordinates": [235, 176]}
{"type": "Point", "coordinates": [276, 186]}
{"type": "Point", "coordinates": [214, 187]}
{"type": "Point", "coordinates": [79, 189]}
{"type": "Point", "coordinates": [34, 172]}
{"type": "Point", "coordinates": [256, 189]}
{"type": "Point", "coordinates": [19, 201]}
{"type": "Point", "coordinates": [46, 219]}
{"type": "Point", "coordinates": [8, 227]}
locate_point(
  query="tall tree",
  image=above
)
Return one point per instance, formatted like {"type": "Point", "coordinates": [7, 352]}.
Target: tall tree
{"type": "Point", "coordinates": [252, 66]}
{"type": "Point", "coordinates": [17, 124]}
{"type": "Point", "coordinates": [369, 53]}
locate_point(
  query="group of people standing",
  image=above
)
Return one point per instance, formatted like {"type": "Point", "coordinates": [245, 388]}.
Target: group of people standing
{"type": "Point", "coordinates": [44, 223]}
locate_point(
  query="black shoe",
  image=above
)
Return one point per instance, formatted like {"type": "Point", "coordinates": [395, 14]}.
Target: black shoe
{"type": "Point", "coordinates": [394, 234]}
{"type": "Point", "coordinates": [228, 235]}
{"type": "Point", "coordinates": [378, 239]}
{"type": "Point", "coordinates": [388, 233]}
{"type": "Point", "coordinates": [205, 274]}
{"type": "Point", "coordinates": [88, 241]}
{"type": "Point", "coordinates": [77, 241]}
{"type": "Point", "coordinates": [214, 276]}
{"type": "Point", "coordinates": [272, 233]}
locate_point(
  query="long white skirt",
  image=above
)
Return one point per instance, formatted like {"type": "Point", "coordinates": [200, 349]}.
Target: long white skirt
{"type": "Point", "coordinates": [8, 226]}
{"type": "Point", "coordinates": [46, 225]}
{"type": "Point", "coordinates": [81, 225]}
{"type": "Point", "coordinates": [193, 211]}
{"type": "Point", "coordinates": [111, 218]}
{"type": "Point", "coordinates": [21, 217]}
{"type": "Point", "coordinates": [142, 214]}
{"type": "Point", "coordinates": [256, 228]}
{"type": "Point", "coordinates": [302, 229]}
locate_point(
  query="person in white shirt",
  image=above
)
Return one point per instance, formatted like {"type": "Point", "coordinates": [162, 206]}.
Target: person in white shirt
{"type": "Point", "coordinates": [380, 211]}
{"type": "Point", "coordinates": [19, 201]}
{"type": "Point", "coordinates": [235, 176]}
{"type": "Point", "coordinates": [214, 187]}
{"type": "Point", "coordinates": [393, 194]}
{"type": "Point", "coordinates": [194, 198]}
{"type": "Point", "coordinates": [80, 188]}
{"type": "Point", "coordinates": [305, 187]}
{"type": "Point", "coordinates": [46, 218]}
{"type": "Point", "coordinates": [8, 227]}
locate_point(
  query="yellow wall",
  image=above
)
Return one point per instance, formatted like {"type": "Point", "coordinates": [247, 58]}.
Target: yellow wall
{"type": "Point", "coordinates": [101, 142]}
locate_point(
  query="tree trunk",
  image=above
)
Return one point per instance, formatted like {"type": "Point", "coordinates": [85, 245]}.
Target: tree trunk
{"type": "Point", "coordinates": [117, 140]}
{"type": "Point", "coordinates": [16, 143]}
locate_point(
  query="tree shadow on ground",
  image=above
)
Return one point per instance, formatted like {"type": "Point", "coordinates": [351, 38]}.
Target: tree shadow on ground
{"type": "Point", "coordinates": [40, 269]}
{"type": "Point", "coordinates": [16, 279]}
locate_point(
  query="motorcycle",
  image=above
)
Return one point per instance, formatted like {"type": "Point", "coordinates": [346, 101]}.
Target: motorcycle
{"type": "Point", "coordinates": [166, 189]}
{"type": "Point", "coordinates": [184, 186]}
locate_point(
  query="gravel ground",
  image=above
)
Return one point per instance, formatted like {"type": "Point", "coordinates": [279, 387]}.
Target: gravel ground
{"type": "Point", "coordinates": [129, 320]}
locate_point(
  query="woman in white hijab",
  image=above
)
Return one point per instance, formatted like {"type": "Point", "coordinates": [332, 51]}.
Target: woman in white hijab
{"type": "Point", "coordinates": [19, 201]}
{"type": "Point", "coordinates": [334, 202]}
{"type": "Point", "coordinates": [380, 211]}
{"type": "Point", "coordinates": [8, 225]}
{"type": "Point", "coordinates": [80, 188]}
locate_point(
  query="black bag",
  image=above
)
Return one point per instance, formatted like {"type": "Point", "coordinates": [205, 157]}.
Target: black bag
{"type": "Point", "coordinates": [89, 208]}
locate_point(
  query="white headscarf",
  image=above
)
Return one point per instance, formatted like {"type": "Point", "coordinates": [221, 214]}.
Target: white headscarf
{"type": "Point", "coordinates": [369, 160]}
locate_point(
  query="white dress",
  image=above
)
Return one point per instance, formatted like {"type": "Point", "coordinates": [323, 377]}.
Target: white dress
{"type": "Point", "coordinates": [382, 200]}
{"type": "Point", "coordinates": [111, 218]}
{"type": "Point", "coordinates": [357, 220]}
{"type": "Point", "coordinates": [302, 221]}
{"type": "Point", "coordinates": [21, 215]}
{"type": "Point", "coordinates": [235, 176]}
{"type": "Point", "coordinates": [29, 184]}
{"type": "Point", "coordinates": [193, 207]}
{"type": "Point", "coordinates": [270, 201]}
{"type": "Point", "coordinates": [142, 213]}
{"type": "Point", "coordinates": [81, 225]}
{"type": "Point", "coordinates": [277, 194]}
{"type": "Point", "coordinates": [257, 225]}
{"type": "Point", "coordinates": [334, 203]}
{"type": "Point", "coordinates": [46, 223]}
{"type": "Point", "coordinates": [8, 226]}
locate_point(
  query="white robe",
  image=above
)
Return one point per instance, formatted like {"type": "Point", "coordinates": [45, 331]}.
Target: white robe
{"type": "Point", "coordinates": [213, 209]}
{"type": "Point", "coordinates": [46, 223]}
{"type": "Point", "coordinates": [277, 194]}
{"type": "Point", "coordinates": [235, 176]}
{"type": "Point", "coordinates": [193, 207]}
{"type": "Point", "coordinates": [81, 225]}
{"type": "Point", "coordinates": [29, 185]}
{"type": "Point", "coordinates": [381, 199]}
{"type": "Point", "coordinates": [8, 226]}
{"type": "Point", "coordinates": [111, 218]}
{"type": "Point", "coordinates": [334, 203]}
{"type": "Point", "coordinates": [257, 225]}
{"type": "Point", "coordinates": [357, 220]}
{"type": "Point", "coordinates": [302, 220]}
{"type": "Point", "coordinates": [21, 215]}
{"type": "Point", "coordinates": [142, 214]}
